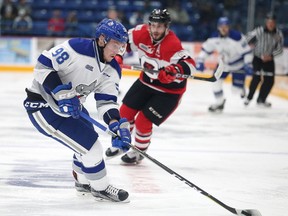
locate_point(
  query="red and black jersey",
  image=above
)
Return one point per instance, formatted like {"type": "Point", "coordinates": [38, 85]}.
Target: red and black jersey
{"type": "Point", "coordinates": [155, 56]}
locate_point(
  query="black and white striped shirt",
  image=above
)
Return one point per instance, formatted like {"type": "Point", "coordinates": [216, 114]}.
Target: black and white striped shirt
{"type": "Point", "coordinates": [265, 42]}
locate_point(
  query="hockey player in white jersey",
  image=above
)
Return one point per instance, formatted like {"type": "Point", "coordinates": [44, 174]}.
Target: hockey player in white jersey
{"type": "Point", "coordinates": [63, 77]}
{"type": "Point", "coordinates": [236, 54]}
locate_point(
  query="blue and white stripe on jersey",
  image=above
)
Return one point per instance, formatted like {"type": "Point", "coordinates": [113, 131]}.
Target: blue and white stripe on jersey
{"type": "Point", "coordinates": [45, 61]}
{"type": "Point", "coordinates": [82, 46]}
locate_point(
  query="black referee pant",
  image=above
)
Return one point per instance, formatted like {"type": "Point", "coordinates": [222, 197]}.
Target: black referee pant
{"type": "Point", "coordinates": [265, 70]}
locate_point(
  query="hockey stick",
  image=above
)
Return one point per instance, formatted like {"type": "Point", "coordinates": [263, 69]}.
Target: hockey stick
{"type": "Point", "coordinates": [200, 76]}
{"type": "Point", "coordinates": [240, 212]}
{"type": "Point", "coordinates": [263, 73]}
{"type": "Point", "coordinates": [258, 73]}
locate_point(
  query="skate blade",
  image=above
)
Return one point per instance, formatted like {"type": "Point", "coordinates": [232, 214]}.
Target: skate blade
{"type": "Point", "coordinates": [100, 199]}
{"type": "Point", "coordinates": [82, 193]}
{"type": "Point", "coordinates": [131, 164]}
{"type": "Point", "coordinates": [120, 152]}
{"type": "Point", "coordinates": [252, 212]}
{"type": "Point", "coordinates": [218, 111]}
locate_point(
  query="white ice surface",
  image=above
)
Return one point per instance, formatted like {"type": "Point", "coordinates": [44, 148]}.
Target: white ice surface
{"type": "Point", "coordinates": [240, 157]}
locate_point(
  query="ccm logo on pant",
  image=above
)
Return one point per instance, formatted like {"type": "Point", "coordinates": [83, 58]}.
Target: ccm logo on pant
{"type": "Point", "coordinates": [155, 112]}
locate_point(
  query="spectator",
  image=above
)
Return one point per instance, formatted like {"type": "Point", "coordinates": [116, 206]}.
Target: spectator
{"type": "Point", "coordinates": [178, 14]}
{"type": "Point", "coordinates": [23, 5]}
{"type": "Point", "coordinates": [113, 14]}
{"type": "Point", "coordinates": [146, 11]}
{"type": "Point", "coordinates": [8, 14]}
{"type": "Point", "coordinates": [136, 18]}
{"type": "Point", "coordinates": [206, 8]}
{"type": "Point", "coordinates": [142, 16]}
{"type": "Point", "coordinates": [56, 24]}
{"type": "Point", "coordinates": [23, 22]}
{"type": "Point", "coordinates": [71, 26]}
{"type": "Point", "coordinates": [119, 16]}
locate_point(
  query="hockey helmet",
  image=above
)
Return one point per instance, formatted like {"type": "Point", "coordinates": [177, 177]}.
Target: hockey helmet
{"type": "Point", "coordinates": [161, 16]}
{"type": "Point", "coordinates": [223, 21]}
{"type": "Point", "coordinates": [111, 29]}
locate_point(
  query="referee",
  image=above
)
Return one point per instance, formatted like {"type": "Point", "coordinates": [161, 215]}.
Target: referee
{"type": "Point", "coordinates": [267, 42]}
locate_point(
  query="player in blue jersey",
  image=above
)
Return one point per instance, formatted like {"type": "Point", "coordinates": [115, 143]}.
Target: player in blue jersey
{"type": "Point", "coordinates": [63, 77]}
{"type": "Point", "coordinates": [236, 54]}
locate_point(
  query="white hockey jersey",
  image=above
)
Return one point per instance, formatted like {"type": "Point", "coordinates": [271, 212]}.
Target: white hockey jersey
{"type": "Point", "coordinates": [77, 61]}
{"type": "Point", "coordinates": [233, 50]}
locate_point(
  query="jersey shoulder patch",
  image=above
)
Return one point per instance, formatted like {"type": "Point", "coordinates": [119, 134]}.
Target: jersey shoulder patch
{"type": "Point", "coordinates": [116, 66]}
{"type": "Point", "coordinates": [172, 38]}
{"type": "Point", "coordinates": [235, 35]}
{"type": "Point", "coordinates": [140, 33]}
{"type": "Point", "coordinates": [215, 34]}
{"type": "Point", "coordinates": [82, 46]}
{"type": "Point", "coordinates": [171, 44]}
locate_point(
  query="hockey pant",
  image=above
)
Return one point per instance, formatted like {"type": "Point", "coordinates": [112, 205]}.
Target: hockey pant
{"type": "Point", "coordinates": [238, 84]}
{"type": "Point", "coordinates": [143, 107]}
{"type": "Point", "coordinates": [80, 136]}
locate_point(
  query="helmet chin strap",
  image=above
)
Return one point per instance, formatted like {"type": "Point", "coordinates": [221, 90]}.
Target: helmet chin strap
{"type": "Point", "coordinates": [100, 50]}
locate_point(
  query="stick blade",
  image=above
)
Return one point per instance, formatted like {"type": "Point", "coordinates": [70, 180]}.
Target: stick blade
{"type": "Point", "coordinates": [250, 212]}
{"type": "Point", "coordinates": [219, 69]}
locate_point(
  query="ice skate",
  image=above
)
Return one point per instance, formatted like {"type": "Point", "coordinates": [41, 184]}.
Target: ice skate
{"type": "Point", "coordinates": [82, 189]}
{"type": "Point", "coordinates": [132, 157]}
{"type": "Point", "coordinates": [243, 93]}
{"type": "Point", "coordinates": [218, 107]}
{"type": "Point", "coordinates": [263, 104]}
{"type": "Point", "coordinates": [246, 102]}
{"type": "Point", "coordinates": [112, 152]}
{"type": "Point", "coordinates": [111, 194]}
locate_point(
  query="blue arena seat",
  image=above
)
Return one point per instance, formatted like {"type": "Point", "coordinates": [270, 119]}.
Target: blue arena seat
{"type": "Point", "coordinates": [60, 4]}
{"type": "Point", "coordinates": [41, 14]}
{"type": "Point", "coordinates": [44, 4]}
{"type": "Point", "coordinates": [86, 16]}
{"type": "Point", "coordinates": [40, 28]}
{"type": "Point", "coordinates": [74, 5]}
{"type": "Point", "coordinates": [184, 32]}
{"type": "Point", "coordinates": [123, 5]}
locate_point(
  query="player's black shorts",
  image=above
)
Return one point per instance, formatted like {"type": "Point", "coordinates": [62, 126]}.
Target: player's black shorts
{"type": "Point", "coordinates": [156, 106]}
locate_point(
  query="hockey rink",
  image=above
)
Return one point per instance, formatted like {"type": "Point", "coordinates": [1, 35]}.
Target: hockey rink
{"type": "Point", "coordinates": [239, 156]}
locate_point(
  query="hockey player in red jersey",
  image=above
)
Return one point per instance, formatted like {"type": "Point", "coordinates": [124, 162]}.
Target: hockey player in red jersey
{"type": "Point", "coordinates": [153, 98]}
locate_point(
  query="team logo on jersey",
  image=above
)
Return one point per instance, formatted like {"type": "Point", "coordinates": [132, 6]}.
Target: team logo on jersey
{"type": "Point", "coordinates": [146, 48]}
{"type": "Point", "coordinates": [148, 66]}
{"type": "Point", "coordinates": [85, 90]}
{"type": "Point", "coordinates": [183, 55]}
{"type": "Point", "coordinates": [89, 67]}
